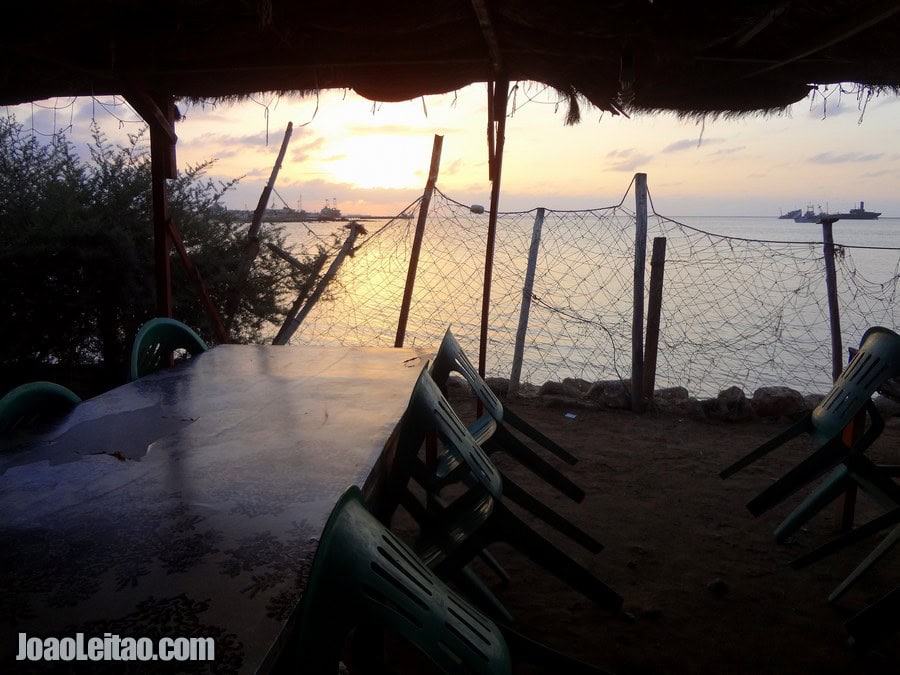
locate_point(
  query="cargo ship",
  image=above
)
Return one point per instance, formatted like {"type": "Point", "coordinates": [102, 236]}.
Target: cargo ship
{"type": "Point", "coordinates": [811, 216]}
{"type": "Point", "coordinates": [858, 214]}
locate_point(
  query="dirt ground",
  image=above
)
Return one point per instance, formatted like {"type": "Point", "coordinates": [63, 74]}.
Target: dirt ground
{"type": "Point", "coordinates": [707, 589]}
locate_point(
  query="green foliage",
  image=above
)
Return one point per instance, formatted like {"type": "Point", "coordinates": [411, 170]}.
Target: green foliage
{"type": "Point", "coordinates": [76, 252]}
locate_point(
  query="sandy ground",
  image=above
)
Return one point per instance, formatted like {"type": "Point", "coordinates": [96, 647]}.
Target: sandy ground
{"type": "Point", "coordinates": [707, 589]}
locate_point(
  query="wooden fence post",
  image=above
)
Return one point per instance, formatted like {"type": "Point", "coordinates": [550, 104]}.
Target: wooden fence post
{"type": "Point", "coordinates": [847, 506]}
{"type": "Point", "coordinates": [654, 313]}
{"type": "Point", "coordinates": [834, 318]}
{"type": "Point", "coordinates": [527, 290]}
{"type": "Point", "coordinates": [417, 239]}
{"type": "Point", "coordinates": [497, 132]}
{"type": "Point", "coordinates": [637, 320]}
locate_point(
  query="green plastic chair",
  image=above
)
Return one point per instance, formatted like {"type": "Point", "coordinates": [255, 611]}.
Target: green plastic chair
{"type": "Point", "coordinates": [29, 403]}
{"type": "Point", "coordinates": [432, 411]}
{"type": "Point", "coordinates": [876, 361]}
{"type": "Point", "coordinates": [490, 430]}
{"type": "Point", "coordinates": [452, 535]}
{"type": "Point", "coordinates": [365, 577]}
{"type": "Point", "coordinates": [155, 342]}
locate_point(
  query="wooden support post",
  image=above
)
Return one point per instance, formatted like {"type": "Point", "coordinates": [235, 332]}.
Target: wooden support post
{"type": "Point", "coordinates": [527, 291]}
{"type": "Point", "coordinates": [637, 320]}
{"type": "Point", "coordinates": [847, 507]}
{"type": "Point", "coordinates": [251, 247]}
{"type": "Point", "coordinates": [498, 106]}
{"type": "Point", "coordinates": [417, 239]}
{"type": "Point", "coordinates": [159, 113]}
{"type": "Point", "coordinates": [834, 318]}
{"type": "Point", "coordinates": [654, 314]}
{"type": "Point", "coordinates": [346, 249]}
{"type": "Point", "coordinates": [158, 110]}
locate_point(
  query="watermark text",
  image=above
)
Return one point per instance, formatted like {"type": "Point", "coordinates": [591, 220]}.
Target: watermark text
{"type": "Point", "coordinates": [111, 647]}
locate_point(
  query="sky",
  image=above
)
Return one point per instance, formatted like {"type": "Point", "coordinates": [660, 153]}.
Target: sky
{"type": "Point", "coordinates": [373, 158]}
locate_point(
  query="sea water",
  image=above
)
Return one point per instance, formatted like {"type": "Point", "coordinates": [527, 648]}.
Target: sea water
{"type": "Point", "coordinates": [558, 346]}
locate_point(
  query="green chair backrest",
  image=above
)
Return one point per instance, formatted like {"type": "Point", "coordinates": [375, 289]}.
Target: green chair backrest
{"type": "Point", "coordinates": [450, 357]}
{"type": "Point", "coordinates": [428, 409]}
{"type": "Point", "coordinates": [28, 402]}
{"type": "Point", "coordinates": [363, 575]}
{"type": "Point", "coordinates": [155, 342]}
{"type": "Point", "coordinates": [877, 360]}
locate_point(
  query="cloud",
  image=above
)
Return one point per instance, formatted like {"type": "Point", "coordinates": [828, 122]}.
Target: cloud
{"type": "Point", "coordinates": [691, 144]}
{"type": "Point", "coordinates": [729, 151]}
{"type": "Point", "coordinates": [455, 167]}
{"type": "Point", "coordinates": [389, 130]}
{"type": "Point", "coordinates": [677, 146]}
{"type": "Point", "coordinates": [879, 174]}
{"type": "Point", "coordinates": [627, 160]}
{"type": "Point", "coordinates": [848, 157]}
{"type": "Point", "coordinates": [303, 152]}
{"type": "Point", "coordinates": [255, 140]}
{"type": "Point", "coordinates": [333, 158]}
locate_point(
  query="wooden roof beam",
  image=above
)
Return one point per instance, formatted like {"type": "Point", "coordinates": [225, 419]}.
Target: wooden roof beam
{"type": "Point", "coordinates": [767, 20]}
{"type": "Point", "coordinates": [490, 36]}
{"type": "Point", "coordinates": [148, 108]}
{"type": "Point", "coordinates": [876, 15]}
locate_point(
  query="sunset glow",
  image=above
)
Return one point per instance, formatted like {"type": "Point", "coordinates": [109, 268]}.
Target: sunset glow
{"type": "Point", "coordinates": [374, 157]}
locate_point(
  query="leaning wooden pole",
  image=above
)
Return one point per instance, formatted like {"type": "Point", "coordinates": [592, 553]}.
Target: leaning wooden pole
{"type": "Point", "coordinates": [498, 106]}
{"type": "Point", "coordinates": [346, 249]}
{"type": "Point", "coordinates": [417, 239]}
{"type": "Point", "coordinates": [302, 293]}
{"type": "Point", "coordinates": [199, 285]}
{"type": "Point", "coordinates": [527, 291]}
{"type": "Point", "coordinates": [834, 318]}
{"type": "Point", "coordinates": [637, 319]}
{"type": "Point", "coordinates": [251, 246]}
{"type": "Point", "coordinates": [654, 314]}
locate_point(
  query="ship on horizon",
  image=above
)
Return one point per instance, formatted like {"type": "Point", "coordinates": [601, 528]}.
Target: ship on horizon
{"type": "Point", "coordinates": [811, 216]}
{"type": "Point", "coordinates": [858, 214]}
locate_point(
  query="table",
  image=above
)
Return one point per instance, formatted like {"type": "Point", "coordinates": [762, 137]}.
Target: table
{"type": "Point", "coordinates": [190, 502]}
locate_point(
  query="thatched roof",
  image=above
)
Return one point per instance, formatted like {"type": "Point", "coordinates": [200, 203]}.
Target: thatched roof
{"type": "Point", "coordinates": [691, 56]}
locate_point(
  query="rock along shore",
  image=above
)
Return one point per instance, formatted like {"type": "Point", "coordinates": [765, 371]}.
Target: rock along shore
{"type": "Point", "coordinates": [731, 405]}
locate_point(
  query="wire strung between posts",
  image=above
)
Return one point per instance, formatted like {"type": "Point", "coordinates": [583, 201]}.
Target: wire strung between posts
{"type": "Point", "coordinates": [736, 311]}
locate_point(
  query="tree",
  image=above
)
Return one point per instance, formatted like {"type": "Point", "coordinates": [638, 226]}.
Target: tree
{"type": "Point", "coordinates": [76, 254]}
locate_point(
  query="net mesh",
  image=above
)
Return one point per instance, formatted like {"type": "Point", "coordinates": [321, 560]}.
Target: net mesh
{"type": "Point", "coordinates": [735, 312]}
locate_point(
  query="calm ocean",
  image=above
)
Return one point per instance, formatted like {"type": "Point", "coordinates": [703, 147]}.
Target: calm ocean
{"type": "Point", "coordinates": [364, 303]}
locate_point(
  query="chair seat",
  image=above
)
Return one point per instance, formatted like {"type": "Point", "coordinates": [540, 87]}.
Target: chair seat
{"type": "Point", "coordinates": [838, 428]}
{"type": "Point", "coordinates": [157, 340]}
{"type": "Point", "coordinates": [29, 403]}
{"type": "Point", "coordinates": [453, 534]}
{"type": "Point", "coordinates": [363, 575]}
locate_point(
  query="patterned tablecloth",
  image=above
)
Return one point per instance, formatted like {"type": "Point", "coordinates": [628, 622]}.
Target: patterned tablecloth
{"type": "Point", "coordinates": [190, 502]}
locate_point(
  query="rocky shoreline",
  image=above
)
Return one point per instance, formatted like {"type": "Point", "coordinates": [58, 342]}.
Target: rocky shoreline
{"type": "Point", "coordinates": [731, 405]}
